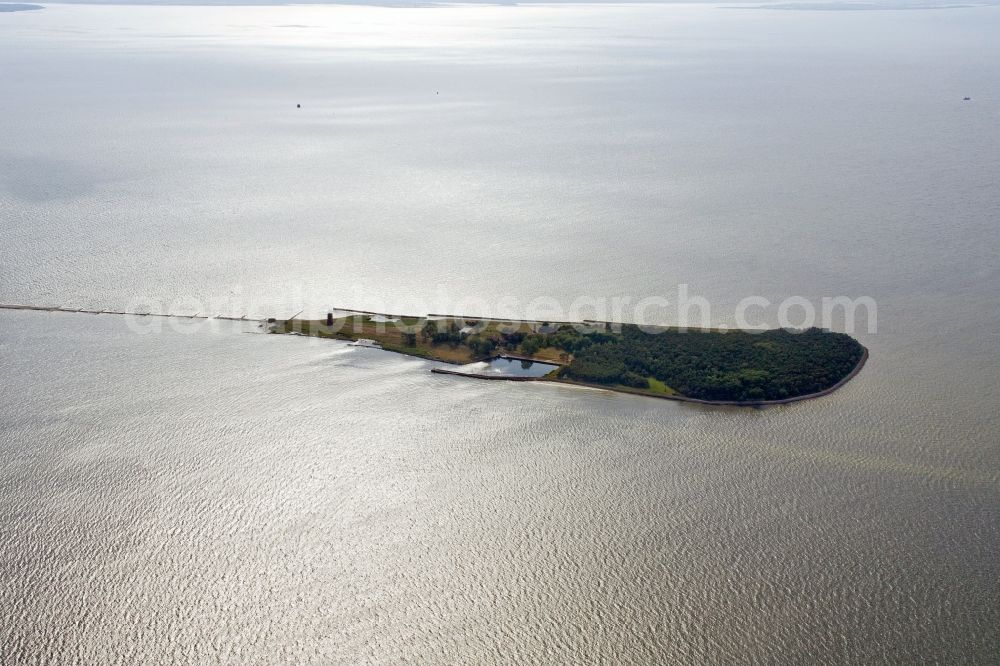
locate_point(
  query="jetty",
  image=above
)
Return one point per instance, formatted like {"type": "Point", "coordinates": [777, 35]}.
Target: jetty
{"type": "Point", "coordinates": [583, 353]}
{"type": "Point", "coordinates": [174, 315]}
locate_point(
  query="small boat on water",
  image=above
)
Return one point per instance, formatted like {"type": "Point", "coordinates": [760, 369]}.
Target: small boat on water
{"type": "Point", "coordinates": [365, 342]}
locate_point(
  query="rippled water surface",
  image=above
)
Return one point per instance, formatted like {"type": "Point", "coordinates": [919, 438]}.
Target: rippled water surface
{"type": "Point", "coordinates": [183, 492]}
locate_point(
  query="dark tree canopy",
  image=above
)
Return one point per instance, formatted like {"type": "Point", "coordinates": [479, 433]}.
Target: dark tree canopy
{"type": "Point", "coordinates": [735, 365]}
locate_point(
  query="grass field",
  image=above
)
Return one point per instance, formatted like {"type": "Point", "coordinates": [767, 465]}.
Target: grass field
{"type": "Point", "coordinates": [391, 336]}
{"type": "Point", "coordinates": [707, 365]}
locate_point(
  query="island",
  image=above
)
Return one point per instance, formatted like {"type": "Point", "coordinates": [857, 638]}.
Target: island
{"type": "Point", "coordinates": [709, 366]}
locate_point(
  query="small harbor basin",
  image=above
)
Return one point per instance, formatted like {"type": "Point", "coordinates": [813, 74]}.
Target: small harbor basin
{"type": "Point", "coordinates": [505, 366]}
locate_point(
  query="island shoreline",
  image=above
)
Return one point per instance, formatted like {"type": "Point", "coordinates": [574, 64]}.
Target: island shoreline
{"type": "Point", "coordinates": [346, 337]}
{"type": "Point", "coordinates": [677, 397]}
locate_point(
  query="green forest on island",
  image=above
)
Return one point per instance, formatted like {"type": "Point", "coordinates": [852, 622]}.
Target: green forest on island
{"type": "Point", "coordinates": [726, 365]}
{"type": "Point", "coordinates": [710, 365]}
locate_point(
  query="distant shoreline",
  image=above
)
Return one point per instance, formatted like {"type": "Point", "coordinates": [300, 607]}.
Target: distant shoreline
{"type": "Point", "coordinates": [18, 7]}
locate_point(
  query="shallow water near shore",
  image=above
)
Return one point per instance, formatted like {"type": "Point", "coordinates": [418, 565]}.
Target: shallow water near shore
{"type": "Point", "coordinates": [242, 496]}
{"type": "Point", "coordinates": [191, 491]}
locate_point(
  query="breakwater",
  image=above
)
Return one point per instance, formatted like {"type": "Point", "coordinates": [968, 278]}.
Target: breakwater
{"type": "Point", "coordinates": [55, 308]}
